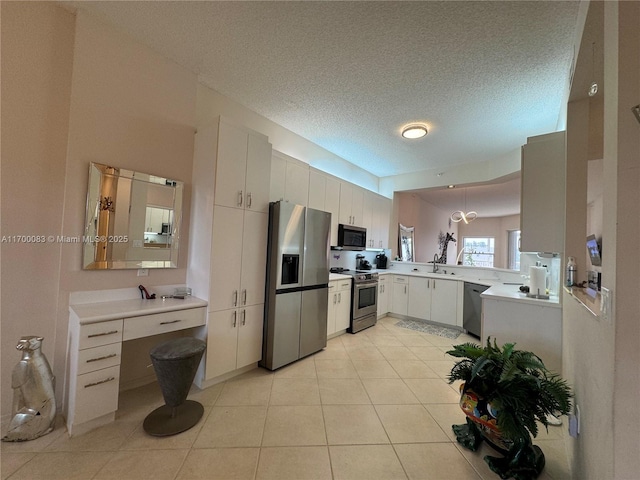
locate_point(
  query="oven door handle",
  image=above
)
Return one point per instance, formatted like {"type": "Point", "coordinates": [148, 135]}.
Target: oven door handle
{"type": "Point", "coordinates": [365, 284]}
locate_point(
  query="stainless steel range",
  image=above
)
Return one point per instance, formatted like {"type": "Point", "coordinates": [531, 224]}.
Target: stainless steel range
{"type": "Point", "coordinates": [364, 300]}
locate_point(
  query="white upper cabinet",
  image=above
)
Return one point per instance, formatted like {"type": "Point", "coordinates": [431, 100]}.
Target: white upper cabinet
{"type": "Point", "coordinates": [542, 206]}
{"type": "Point", "coordinates": [332, 205]}
{"type": "Point", "coordinates": [375, 215]}
{"type": "Point", "coordinates": [289, 180]}
{"type": "Point", "coordinates": [317, 190]}
{"type": "Point", "coordinates": [297, 184]}
{"type": "Point", "coordinates": [351, 204]}
{"type": "Point", "coordinates": [242, 166]}
{"type": "Point", "coordinates": [324, 194]}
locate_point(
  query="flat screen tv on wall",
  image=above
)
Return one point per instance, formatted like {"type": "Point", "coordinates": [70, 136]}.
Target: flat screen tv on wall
{"type": "Point", "coordinates": [594, 251]}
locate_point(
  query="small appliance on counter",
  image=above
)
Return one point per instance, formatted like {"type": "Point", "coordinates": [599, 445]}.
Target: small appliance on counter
{"type": "Point", "coordinates": [362, 263]}
{"type": "Point", "coordinates": [381, 261]}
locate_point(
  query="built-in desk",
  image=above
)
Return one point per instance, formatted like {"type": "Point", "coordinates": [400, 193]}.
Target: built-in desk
{"type": "Point", "coordinates": [97, 331]}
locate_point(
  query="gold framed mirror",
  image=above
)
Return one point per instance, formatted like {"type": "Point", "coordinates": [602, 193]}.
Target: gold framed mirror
{"type": "Point", "coordinates": [132, 220]}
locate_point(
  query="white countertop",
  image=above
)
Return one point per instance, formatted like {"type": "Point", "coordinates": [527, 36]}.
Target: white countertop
{"type": "Point", "coordinates": [513, 293]}
{"type": "Point", "coordinates": [113, 310]}
{"type": "Point", "coordinates": [339, 276]}
{"type": "Point", "coordinates": [498, 290]}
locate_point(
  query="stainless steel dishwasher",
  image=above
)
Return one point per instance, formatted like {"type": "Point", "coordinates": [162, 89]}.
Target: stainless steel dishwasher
{"type": "Point", "coordinates": [472, 311]}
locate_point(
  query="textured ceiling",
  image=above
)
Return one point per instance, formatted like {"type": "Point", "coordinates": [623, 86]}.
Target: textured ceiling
{"type": "Point", "coordinates": [347, 75]}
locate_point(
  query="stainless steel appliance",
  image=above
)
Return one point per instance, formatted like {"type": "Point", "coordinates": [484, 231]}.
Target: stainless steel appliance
{"type": "Point", "coordinates": [472, 310]}
{"type": "Point", "coordinates": [297, 288]}
{"type": "Point", "coordinates": [351, 237]}
{"type": "Point", "coordinates": [364, 300]}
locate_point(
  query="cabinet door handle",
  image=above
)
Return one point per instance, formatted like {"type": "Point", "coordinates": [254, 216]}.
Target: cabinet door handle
{"type": "Point", "coordinates": [405, 289]}
{"type": "Point", "coordinates": [111, 332]}
{"type": "Point", "coordinates": [335, 298]}
{"type": "Point", "coordinates": [244, 296]}
{"type": "Point", "coordinates": [235, 317]}
{"type": "Point", "coordinates": [89, 385]}
{"type": "Point", "coordinates": [249, 200]}
{"type": "Point", "coordinates": [235, 298]}
{"type": "Point", "coordinates": [240, 197]}
{"type": "Point", "coordinates": [428, 284]}
{"type": "Point", "coordinates": [97, 359]}
{"type": "Point", "coordinates": [244, 317]}
{"type": "Point", "coordinates": [434, 284]}
{"type": "Point", "coordinates": [340, 297]}
{"type": "Point", "coordinates": [170, 322]}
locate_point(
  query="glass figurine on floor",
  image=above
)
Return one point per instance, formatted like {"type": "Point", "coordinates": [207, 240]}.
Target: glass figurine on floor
{"type": "Point", "coordinates": [34, 402]}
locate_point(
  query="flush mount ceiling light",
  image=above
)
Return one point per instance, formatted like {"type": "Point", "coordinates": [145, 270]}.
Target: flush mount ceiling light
{"type": "Point", "coordinates": [414, 131]}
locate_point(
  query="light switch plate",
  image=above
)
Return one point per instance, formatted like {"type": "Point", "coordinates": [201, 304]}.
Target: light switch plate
{"type": "Point", "coordinates": [605, 304]}
{"type": "Point", "coordinates": [143, 272]}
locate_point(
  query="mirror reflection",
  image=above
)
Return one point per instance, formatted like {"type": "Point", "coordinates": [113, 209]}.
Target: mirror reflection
{"type": "Point", "coordinates": [406, 243]}
{"type": "Point", "coordinates": [132, 219]}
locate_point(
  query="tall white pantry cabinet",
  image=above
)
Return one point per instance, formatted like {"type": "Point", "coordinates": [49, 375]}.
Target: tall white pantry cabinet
{"type": "Point", "coordinates": [228, 244]}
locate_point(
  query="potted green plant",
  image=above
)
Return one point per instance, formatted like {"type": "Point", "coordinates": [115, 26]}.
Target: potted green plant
{"type": "Point", "coordinates": [506, 392]}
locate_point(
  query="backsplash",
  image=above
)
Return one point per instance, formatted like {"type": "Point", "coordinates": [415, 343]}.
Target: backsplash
{"type": "Point", "coordinates": [347, 258]}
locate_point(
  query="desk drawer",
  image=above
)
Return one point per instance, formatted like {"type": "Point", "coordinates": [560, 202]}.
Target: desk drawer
{"type": "Point", "coordinates": [97, 358]}
{"type": "Point", "coordinates": [102, 333]}
{"type": "Point", "coordinates": [97, 394]}
{"type": "Point", "coordinates": [146, 325]}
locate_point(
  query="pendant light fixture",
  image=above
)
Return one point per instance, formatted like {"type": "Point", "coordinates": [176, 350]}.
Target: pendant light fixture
{"type": "Point", "coordinates": [461, 216]}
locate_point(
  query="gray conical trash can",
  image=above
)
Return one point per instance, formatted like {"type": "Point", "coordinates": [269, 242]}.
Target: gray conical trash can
{"type": "Point", "coordinates": [175, 363]}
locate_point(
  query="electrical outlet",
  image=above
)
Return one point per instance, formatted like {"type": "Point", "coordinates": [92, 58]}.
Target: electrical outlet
{"type": "Point", "coordinates": [605, 304]}
{"type": "Point", "coordinates": [143, 272]}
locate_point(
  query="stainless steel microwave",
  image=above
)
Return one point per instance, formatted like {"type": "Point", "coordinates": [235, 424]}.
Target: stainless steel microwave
{"type": "Point", "coordinates": [351, 237]}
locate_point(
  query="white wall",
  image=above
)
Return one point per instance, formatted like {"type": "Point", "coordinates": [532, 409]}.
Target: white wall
{"type": "Point", "coordinates": [428, 221]}
{"type": "Point", "coordinates": [78, 92]}
{"type": "Point", "coordinates": [601, 357]}
{"type": "Point", "coordinates": [37, 59]}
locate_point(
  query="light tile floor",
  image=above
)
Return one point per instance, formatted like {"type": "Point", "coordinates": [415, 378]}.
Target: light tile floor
{"type": "Point", "coordinates": [374, 405]}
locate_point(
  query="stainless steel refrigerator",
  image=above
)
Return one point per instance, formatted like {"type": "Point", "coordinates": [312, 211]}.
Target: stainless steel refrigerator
{"type": "Point", "coordinates": [297, 284]}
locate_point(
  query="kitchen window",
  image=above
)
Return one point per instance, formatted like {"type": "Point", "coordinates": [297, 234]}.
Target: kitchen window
{"type": "Point", "coordinates": [478, 251]}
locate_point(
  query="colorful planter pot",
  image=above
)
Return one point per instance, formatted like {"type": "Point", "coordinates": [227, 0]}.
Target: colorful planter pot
{"type": "Point", "coordinates": [522, 460]}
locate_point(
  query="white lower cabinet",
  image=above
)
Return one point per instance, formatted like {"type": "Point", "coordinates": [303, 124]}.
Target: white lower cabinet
{"type": "Point", "coordinates": [339, 307]}
{"type": "Point", "coordinates": [400, 294]}
{"type": "Point", "coordinates": [95, 352]}
{"type": "Point", "coordinates": [419, 298]}
{"type": "Point", "coordinates": [444, 301]}
{"type": "Point", "coordinates": [384, 282]}
{"type": "Point", "coordinates": [234, 339]}
{"type": "Point", "coordinates": [431, 299]}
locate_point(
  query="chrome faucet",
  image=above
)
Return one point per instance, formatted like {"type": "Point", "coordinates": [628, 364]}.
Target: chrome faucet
{"type": "Point", "coordinates": [435, 263]}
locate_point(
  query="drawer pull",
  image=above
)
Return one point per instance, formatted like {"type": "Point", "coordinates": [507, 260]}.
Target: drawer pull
{"type": "Point", "coordinates": [110, 379]}
{"type": "Point", "coordinates": [101, 358]}
{"type": "Point", "coordinates": [102, 334]}
{"type": "Point", "coordinates": [169, 322]}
